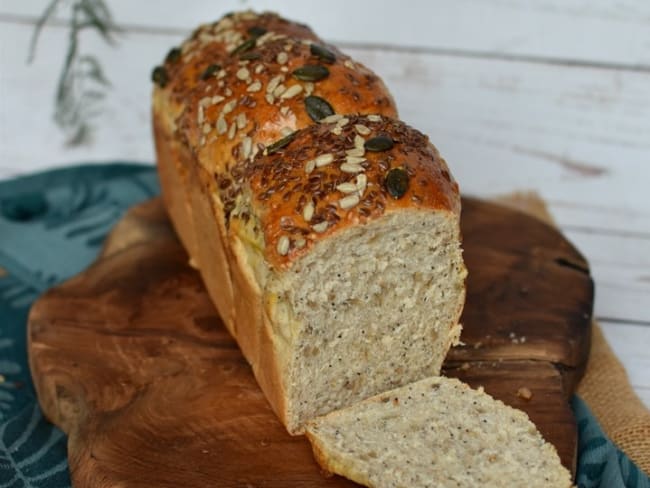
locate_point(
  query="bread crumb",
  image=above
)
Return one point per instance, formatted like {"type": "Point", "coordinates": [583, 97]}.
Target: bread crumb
{"type": "Point", "coordinates": [524, 393]}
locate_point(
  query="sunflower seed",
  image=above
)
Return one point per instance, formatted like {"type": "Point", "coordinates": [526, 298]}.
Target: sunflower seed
{"type": "Point", "coordinates": [343, 122]}
{"type": "Point", "coordinates": [323, 53]}
{"type": "Point", "coordinates": [318, 108]}
{"type": "Point", "coordinates": [359, 141]}
{"type": "Point", "coordinates": [362, 182]}
{"type": "Point", "coordinates": [284, 110]}
{"type": "Point", "coordinates": [397, 182]}
{"type": "Point", "coordinates": [336, 131]}
{"type": "Point", "coordinates": [254, 87]}
{"type": "Point", "coordinates": [351, 168]}
{"type": "Point", "coordinates": [324, 160]}
{"type": "Point", "coordinates": [279, 90]}
{"type": "Point", "coordinates": [283, 246]}
{"type": "Point", "coordinates": [309, 166]}
{"type": "Point", "coordinates": [374, 118]}
{"type": "Point", "coordinates": [354, 160]}
{"type": "Point", "coordinates": [291, 92]}
{"type": "Point", "coordinates": [308, 211]}
{"type": "Point", "coordinates": [349, 201]}
{"type": "Point", "coordinates": [228, 107]}
{"type": "Point", "coordinates": [282, 57]}
{"type": "Point", "coordinates": [300, 243]}
{"type": "Point", "coordinates": [199, 117]}
{"type": "Point", "coordinates": [241, 120]}
{"type": "Point", "coordinates": [232, 130]}
{"type": "Point", "coordinates": [285, 131]}
{"type": "Point", "coordinates": [356, 152]}
{"type": "Point", "coordinates": [273, 83]}
{"type": "Point", "coordinates": [347, 187]}
{"type": "Point", "coordinates": [362, 129]}
{"type": "Point", "coordinates": [243, 74]}
{"type": "Point", "coordinates": [309, 88]}
{"type": "Point", "coordinates": [206, 128]}
{"type": "Point", "coordinates": [311, 72]}
{"type": "Point", "coordinates": [222, 126]}
{"type": "Point", "coordinates": [269, 98]}
{"type": "Point", "coordinates": [379, 144]}
{"type": "Point", "coordinates": [259, 68]}
{"type": "Point", "coordinates": [320, 227]}
{"type": "Point", "coordinates": [246, 147]}
{"type": "Point", "coordinates": [216, 99]}
{"type": "Point", "coordinates": [332, 118]}
{"type": "Point", "coordinates": [349, 64]}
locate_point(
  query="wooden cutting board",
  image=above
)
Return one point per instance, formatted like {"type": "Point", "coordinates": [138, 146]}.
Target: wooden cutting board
{"type": "Point", "coordinates": [130, 359]}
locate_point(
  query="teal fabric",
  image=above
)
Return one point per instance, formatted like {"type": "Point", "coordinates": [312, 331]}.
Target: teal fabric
{"type": "Point", "coordinates": [52, 225]}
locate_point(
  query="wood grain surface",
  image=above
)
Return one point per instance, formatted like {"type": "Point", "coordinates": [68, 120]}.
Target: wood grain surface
{"type": "Point", "coordinates": [130, 359]}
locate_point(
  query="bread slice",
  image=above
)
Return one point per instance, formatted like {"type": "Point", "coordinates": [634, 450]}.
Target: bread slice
{"type": "Point", "coordinates": [437, 432]}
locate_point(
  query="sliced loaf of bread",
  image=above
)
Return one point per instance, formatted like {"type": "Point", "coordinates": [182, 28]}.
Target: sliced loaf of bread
{"type": "Point", "coordinates": [437, 432]}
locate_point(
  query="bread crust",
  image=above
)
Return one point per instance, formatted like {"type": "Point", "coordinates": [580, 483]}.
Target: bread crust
{"type": "Point", "coordinates": [209, 129]}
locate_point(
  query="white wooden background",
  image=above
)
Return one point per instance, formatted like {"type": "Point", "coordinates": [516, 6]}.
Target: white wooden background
{"type": "Point", "coordinates": [544, 95]}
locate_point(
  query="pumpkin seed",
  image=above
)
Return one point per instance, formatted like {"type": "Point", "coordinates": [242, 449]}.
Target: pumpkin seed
{"type": "Point", "coordinates": [279, 144]}
{"type": "Point", "coordinates": [210, 71]}
{"type": "Point", "coordinates": [397, 182]}
{"type": "Point", "coordinates": [173, 55]}
{"type": "Point", "coordinates": [318, 108]}
{"type": "Point", "coordinates": [256, 31]}
{"type": "Point", "coordinates": [323, 53]}
{"type": "Point", "coordinates": [379, 144]}
{"type": "Point", "coordinates": [247, 45]}
{"type": "Point", "coordinates": [159, 76]}
{"type": "Point", "coordinates": [250, 56]}
{"type": "Point", "coordinates": [311, 72]}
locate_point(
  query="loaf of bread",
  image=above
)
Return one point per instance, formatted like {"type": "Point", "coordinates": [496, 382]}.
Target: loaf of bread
{"type": "Point", "coordinates": [326, 231]}
{"type": "Point", "coordinates": [437, 432]}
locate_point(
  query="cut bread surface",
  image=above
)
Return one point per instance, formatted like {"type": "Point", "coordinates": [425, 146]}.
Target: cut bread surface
{"type": "Point", "coordinates": [437, 432]}
{"type": "Point", "coordinates": [374, 307]}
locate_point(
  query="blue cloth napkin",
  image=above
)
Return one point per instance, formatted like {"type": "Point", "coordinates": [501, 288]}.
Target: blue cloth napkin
{"type": "Point", "coordinates": [52, 225]}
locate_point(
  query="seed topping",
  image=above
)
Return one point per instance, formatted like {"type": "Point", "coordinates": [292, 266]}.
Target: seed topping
{"type": "Point", "coordinates": [379, 144]}
{"type": "Point", "coordinates": [318, 108]}
{"type": "Point", "coordinates": [397, 182]}
{"type": "Point", "coordinates": [283, 246]}
{"type": "Point", "coordinates": [159, 76]}
{"type": "Point", "coordinates": [311, 72]}
{"type": "Point", "coordinates": [279, 144]}
{"type": "Point", "coordinates": [322, 53]}
{"type": "Point", "coordinates": [210, 71]}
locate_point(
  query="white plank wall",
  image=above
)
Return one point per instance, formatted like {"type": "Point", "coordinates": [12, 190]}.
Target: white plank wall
{"type": "Point", "coordinates": [544, 95]}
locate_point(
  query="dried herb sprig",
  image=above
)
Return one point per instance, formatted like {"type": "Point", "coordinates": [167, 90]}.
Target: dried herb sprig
{"type": "Point", "coordinates": [82, 83]}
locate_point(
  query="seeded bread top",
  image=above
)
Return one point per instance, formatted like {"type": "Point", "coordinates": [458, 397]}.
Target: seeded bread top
{"type": "Point", "coordinates": [249, 104]}
{"type": "Point", "coordinates": [211, 45]}
{"type": "Point", "coordinates": [344, 171]}
{"type": "Point", "coordinates": [237, 95]}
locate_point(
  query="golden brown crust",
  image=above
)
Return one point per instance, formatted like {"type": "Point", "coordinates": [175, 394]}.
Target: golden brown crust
{"type": "Point", "coordinates": [347, 190]}
{"type": "Point", "coordinates": [212, 44]}
{"type": "Point", "coordinates": [250, 104]}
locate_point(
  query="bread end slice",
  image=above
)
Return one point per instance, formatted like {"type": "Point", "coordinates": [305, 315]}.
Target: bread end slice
{"type": "Point", "coordinates": [437, 432]}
